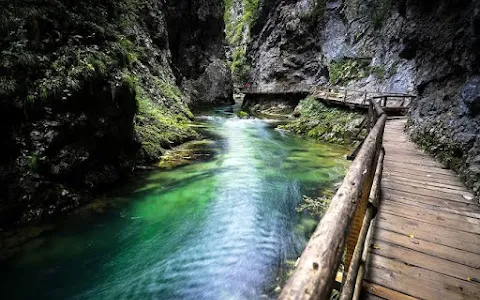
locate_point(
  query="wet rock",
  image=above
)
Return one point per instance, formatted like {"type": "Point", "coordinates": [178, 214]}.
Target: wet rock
{"type": "Point", "coordinates": [471, 95]}
{"type": "Point", "coordinates": [213, 87]}
{"type": "Point", "coordinates": [188, 153]}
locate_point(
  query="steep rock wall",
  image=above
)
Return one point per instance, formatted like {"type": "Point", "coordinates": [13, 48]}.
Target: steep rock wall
{"type": "Point", "coordinates": [238, 17]}
{"type": "Point", "coordinates": [89, 90]}
{"type": "Point", "coordinates": [445, 119]}
{"type": "Point", "coordinates": [341, 42]}
{"type": "Point", "coordinates": [197, 43]}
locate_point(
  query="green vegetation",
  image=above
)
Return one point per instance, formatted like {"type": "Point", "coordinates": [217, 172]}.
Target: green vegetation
{"type": "Point", "coordinates": [379, 13]}
{"type": "Point", "coordinates": [237, 29]}
{"type": "Point", "coordinates": [324, 123]}
{"type": "Point", "coordinates": [72, 59]}
{"type": "Point", "coordinates": [159, 128]}
{"type": "Point", "coordinates": [187, 153]}
{"type": "Point", "coordinates": [347, 69]}
{"type": "Point", "coordinates": [242, 114]}
{"type": "Point", "coordinates": [439, 143]}
{"type": "Point", "coordinates": [316, 207]}
{"type": "Point", "coordinates": [45, 57]}
{"type": "Point", "coordinates": [379, 71]}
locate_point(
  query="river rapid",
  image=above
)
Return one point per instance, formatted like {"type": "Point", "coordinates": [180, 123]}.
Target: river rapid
{"type": "Point", "coordinates": [219, 229]}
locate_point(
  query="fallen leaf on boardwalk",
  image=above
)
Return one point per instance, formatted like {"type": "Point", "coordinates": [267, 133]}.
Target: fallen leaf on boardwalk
{"type": "Point", "coordinates": [468, 197]}
{"type": "Point", "coordinates": [469, 278]}
{"type": "Point", "coordinates": [375, 246]}
{"type": "Point", "coordinates": [411, 236]}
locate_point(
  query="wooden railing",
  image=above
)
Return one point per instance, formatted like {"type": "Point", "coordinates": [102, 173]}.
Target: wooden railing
{"type": "Point", "coordinates": [346, 95]}
{"type": "Point", "coordinates": [343, 229]}
{"type": "Point", "coordinates": [336, 94]}
{"type": "Point", "coordinates": [282, 89]}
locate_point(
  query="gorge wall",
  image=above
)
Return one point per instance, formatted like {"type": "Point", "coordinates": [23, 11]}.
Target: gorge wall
{"type": "Point", "coordinates": [430, 48]}
{"type": "Point", "coordinates": [239, 16]}
{"type": "Point", "coordinates": [90, 90]}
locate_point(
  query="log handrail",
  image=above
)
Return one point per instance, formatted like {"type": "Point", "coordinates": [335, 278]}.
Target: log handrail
{"type": "Point", "coordinates": [341, 226]}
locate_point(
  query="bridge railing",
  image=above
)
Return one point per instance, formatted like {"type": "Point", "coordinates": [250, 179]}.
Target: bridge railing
{"type": "Point", "coordinates": [335, 93]}
{"type": "Point", "coordinates": [346, 95]}
{"type": "Point", "coordinates": [344, 225]}
{"type": "Point", "coordinates": [277, 89]}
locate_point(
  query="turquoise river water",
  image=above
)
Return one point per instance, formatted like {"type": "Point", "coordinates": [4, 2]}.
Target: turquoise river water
{"type": "Point", "coordinates": [219, 229]}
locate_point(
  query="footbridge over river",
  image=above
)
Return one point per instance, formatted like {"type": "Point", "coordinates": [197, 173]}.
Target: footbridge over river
{"type": "Point", "coordinates": [392, 103]}
{"type": "Point", "coordinates": [401, 226]}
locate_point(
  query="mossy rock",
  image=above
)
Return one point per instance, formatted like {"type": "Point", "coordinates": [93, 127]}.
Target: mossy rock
{"type": "Point", "coordinates": [188, 153]}
{"type": "Point", "coordinates": [242, 114]}
{"type": "Point", "coordinates": [324, 123]}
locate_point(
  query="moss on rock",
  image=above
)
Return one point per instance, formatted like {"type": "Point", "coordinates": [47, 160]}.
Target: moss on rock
{"type": "Point", "coordinates": [187, 153]}
{"type": "Point", "coordinates": [324, 123]}
{"type": "Point", "coordinates": [158, 127]}
{"type": "Point", "coordinates": [237, 29]}
{"type": "Point", "coordinates": [347, 69]}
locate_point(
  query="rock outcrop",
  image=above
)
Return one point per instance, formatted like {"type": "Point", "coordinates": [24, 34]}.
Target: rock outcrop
{"type": "Point", "coordinates": [353, 43]}
{"type": "Point", "coordinates": [90, 90]}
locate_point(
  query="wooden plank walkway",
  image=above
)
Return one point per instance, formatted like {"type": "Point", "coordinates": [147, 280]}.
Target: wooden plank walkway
{"type": "Point", "coordinates": [426, 237]}
{"type": "Point", "coordinates": [394, 103]}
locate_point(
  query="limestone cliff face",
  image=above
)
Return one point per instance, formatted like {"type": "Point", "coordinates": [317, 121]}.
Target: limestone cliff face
{"type": "Point", "coordinates": [426, 47]}
{"type": "Point", "coordinates": [238, 17]}
{"type": "Point", "coordinates": [90, 90]}
{"type": "Point", "coordinates": [350, 42]}
{"type": "Point", "coordinates": [197, 43]}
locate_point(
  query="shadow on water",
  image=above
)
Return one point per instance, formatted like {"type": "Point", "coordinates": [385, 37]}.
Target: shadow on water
{"type": "Point", "coordinates": [219, 229]}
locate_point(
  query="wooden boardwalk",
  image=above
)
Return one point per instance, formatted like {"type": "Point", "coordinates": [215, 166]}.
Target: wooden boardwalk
{"type": "Point", "coordinates": [393, 103]}
{"type": "Point", "coordinates": [426, 236]}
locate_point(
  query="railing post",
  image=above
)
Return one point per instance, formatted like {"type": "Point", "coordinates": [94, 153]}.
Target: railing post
{"type": "Point", "coordinates": [359, 215]}
{"type": "Point", "coordinates": [370, 116]}
{"type": "Point", "coordinates": [345, 96]}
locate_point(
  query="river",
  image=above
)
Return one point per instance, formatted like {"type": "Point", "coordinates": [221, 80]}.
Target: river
{"type": "Point", "coordinates": [218, 229]}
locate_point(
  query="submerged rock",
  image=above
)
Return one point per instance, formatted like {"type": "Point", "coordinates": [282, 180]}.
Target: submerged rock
{"type": "Point", "coordinates": [188, 153]}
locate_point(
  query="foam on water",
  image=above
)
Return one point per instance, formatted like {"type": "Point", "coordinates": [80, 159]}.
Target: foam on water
{"type": "Point", "coordinates": [212, 230]}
